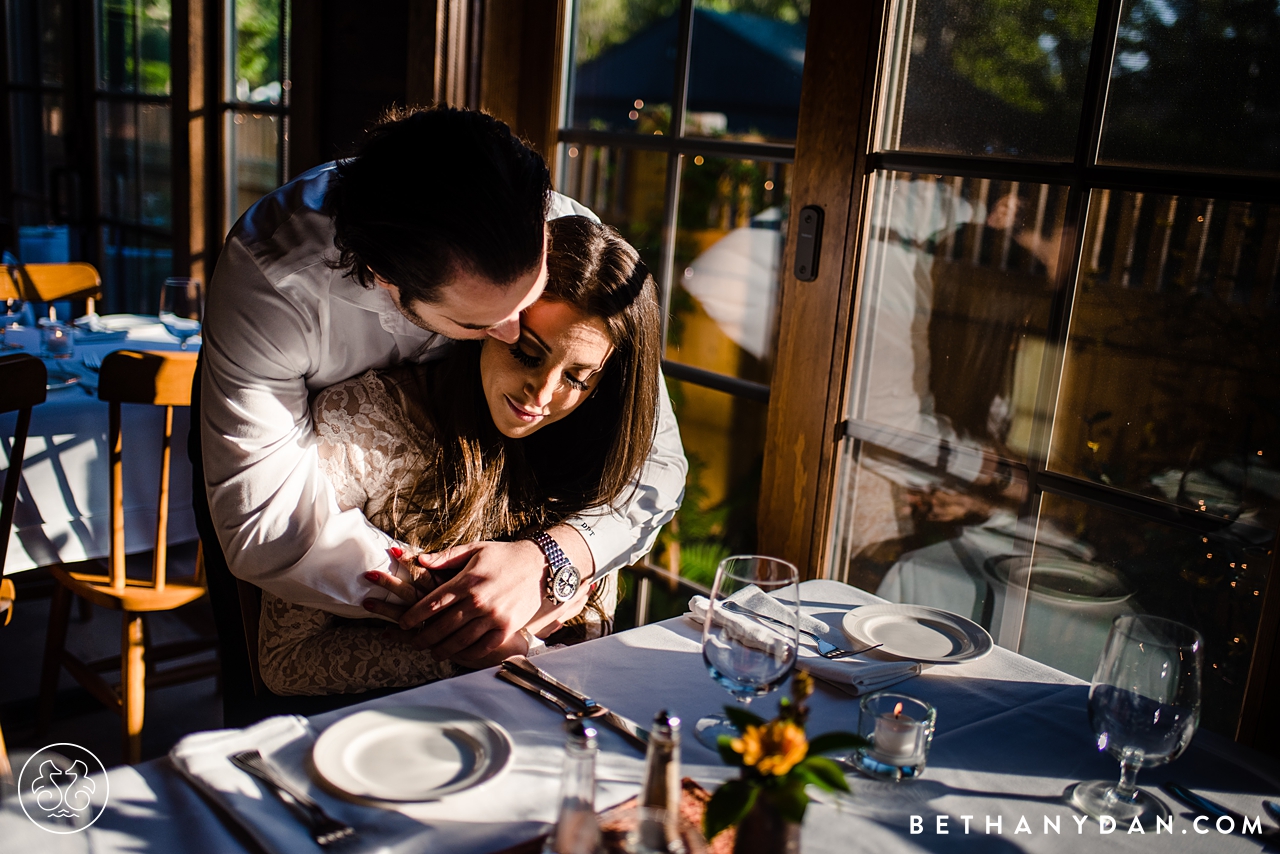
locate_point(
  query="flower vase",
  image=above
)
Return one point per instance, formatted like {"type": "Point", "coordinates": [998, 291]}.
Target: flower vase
{"type": "Point", "coordinates": [763, 830]}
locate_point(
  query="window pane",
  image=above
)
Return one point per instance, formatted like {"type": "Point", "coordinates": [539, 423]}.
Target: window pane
{"type": "Point", "coordinates": [118, 44]}
{"type": "Point", "coordinates": [253, 146]}
{"type": "Point", "coordinates": [156, 190]}
{"type": "Point", "coordinates": [1092, 564]}
{"type": "Point", "coordinates": [258, 75]}
{"type": "Point", "coordinates": [624, 188]}
{"type": "Point", "coordinates": [1195, 85]}
{"type": "Point", "coordinates": [745, 68]}
{"type": "Point", "coordinates": [956, 296]}
{"type": "Point", "coordinates": [136, 267]}
{"type": "Point", "coordinates": [1172, 376]}
{"type": "Point", "coordinates": [153, 47]}
{"type": "Point", "coordinates": [997, 77]}
{"type": "Point", "coordinates": [29, 148]}
{"type": "Point", "coordinates": [723, 440]}
{"type": "Point", "coordinates": [911, 535]}
{"type": "Point", "coordinates": [729, 240]}
{"type": "Point", "coordinates": [624, 65]}
{"type": "Point", "coordinates": [35, 41]}
{"type": "Point", "coordinates": [118, 159]}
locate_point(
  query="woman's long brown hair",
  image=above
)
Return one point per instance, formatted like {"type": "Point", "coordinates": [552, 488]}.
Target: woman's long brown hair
{"type": "Point", "coordinates": [480, 485]}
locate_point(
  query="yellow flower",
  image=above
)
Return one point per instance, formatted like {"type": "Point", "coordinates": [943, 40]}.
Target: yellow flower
{"type": "Point", "coordinates": [773, 748]}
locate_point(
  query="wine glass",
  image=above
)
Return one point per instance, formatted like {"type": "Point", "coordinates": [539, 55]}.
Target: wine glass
{"type": "Point", "coordinates": [748, 665]}
{"type": "Point", "coordinates": [1144, 705]}
{"type": "Point", "coordinates": [182, 308]}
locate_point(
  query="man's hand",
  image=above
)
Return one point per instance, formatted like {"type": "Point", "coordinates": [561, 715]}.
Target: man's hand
{"type": "Point", "coordinates": [498, 590]}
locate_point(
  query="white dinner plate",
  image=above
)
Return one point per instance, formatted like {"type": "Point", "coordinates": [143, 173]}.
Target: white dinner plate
{"type": "Point", "coordinates": [410, 753]}
{"type": "Point", "coordinates": [918, 633]}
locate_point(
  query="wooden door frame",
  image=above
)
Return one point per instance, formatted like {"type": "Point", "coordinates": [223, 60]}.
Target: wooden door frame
{"type": "Point", "coordinates": [816, 319]}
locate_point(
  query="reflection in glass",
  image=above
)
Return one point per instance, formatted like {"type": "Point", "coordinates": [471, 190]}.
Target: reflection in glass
{"type": "Point", "coordinates": [944, 386]}
{"type": "Point", "coordinates": [986, 77]}
{"type": "Point", "coordinates": [1195, 85]}
{"type": "Point", "coordinates": [1171, 384]}
{"type": "Point", "coordinates": [155, 203]}
{"type": "Point", "coordinates": [253, 159]}
{"type": "Point", "coordinates": [745, 69]}
{"type": "Point", "coordinates": [723, 440]}
{"type": "Point", "coordinates": [133, 46]}
{"type": "Point", "coordinates": [624, 65]}
{"type": "Point", "coordinates": [1211, 582]}
{"type": "Point", "coordinates": [624, 187]}
{"type": "Point", "coordinates": [255, 34]}
{"type": "Point", "coordinates": [729, 239]}
{"type": "Point", "coordinates": [118, 155]}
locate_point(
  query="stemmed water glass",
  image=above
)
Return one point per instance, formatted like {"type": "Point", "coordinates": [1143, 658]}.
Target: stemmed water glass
{"type": "Point", "coordinates": [182, 308]}
{"type": "Point", "coordinates": [748, 665]}
{"type": "Point", "coordinates": [1144, 705]}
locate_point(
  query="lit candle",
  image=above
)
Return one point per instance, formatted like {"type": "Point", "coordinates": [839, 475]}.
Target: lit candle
{"type": "Point", "coordinates": [895, 738]}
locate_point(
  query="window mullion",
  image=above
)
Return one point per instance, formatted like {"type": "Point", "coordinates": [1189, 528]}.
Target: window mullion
{"type": "Point", "coordinates": [1097, 81]}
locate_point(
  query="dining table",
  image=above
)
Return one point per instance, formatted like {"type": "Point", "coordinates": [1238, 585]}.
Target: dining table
{"type": "Point", "coordinates": [1012, 734]}
{"type": "Point", "coordinates": [63, 509]}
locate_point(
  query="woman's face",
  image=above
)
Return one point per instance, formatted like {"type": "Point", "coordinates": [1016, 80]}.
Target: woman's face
{"type": "Point", "coordinates": [548, 372]}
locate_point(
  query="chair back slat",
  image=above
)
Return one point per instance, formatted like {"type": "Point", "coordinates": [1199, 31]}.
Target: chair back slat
{"type": "Point", "coordinates": [48, 282]}
{"type": "Point", "coordinates": [153, 377]}
{"type": "Point", "coordinates": [160, 379]}
{"type": "Point", "coordinates": [22, 381]}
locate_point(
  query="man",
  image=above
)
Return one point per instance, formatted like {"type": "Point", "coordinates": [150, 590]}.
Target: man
{"type": "Point", "coordinates": [435, 230]}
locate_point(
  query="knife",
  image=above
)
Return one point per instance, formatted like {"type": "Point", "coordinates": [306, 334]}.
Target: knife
{"type": "Point", "coordinates": [520, 680]}
{"type": "Point", "coordinates": [1208, 807]}
{"type": "Point", "coordinates": [632, 731]}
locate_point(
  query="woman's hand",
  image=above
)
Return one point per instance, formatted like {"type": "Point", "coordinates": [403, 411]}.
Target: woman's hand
{"type": "Point", "coordinates": [407, 592]}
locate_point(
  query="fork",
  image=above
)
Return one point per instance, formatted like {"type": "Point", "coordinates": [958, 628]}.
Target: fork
{"type": "Point", "coordinates": [324, 829]}
{"type": "Point", "coordinates": [825, 649]}
{"type": "Point", "coordinates": [92, 361]}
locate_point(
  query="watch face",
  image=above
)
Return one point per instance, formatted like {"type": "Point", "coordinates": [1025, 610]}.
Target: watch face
{"type": "Point", "coordinates": [565, 583]}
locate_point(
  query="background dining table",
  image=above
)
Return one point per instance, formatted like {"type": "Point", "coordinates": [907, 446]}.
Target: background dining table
{"type": "Point", "coordinates": [63, 504]}
{"type": "Point", "coordinates": [1012, 734]}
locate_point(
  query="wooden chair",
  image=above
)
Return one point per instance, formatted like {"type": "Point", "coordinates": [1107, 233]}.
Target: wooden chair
{"type": "Point", "coordinates": [161, 379]}
{"type": "Point", "coordinates": [22, 386]}
{"type": "Point", "coordinates": [49, 282]}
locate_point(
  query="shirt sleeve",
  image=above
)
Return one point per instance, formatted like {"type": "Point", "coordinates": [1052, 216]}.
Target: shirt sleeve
{"type": "Point", "coordinates": [277, 517]}
{"type": "Point", "coordinates": [618, 536]}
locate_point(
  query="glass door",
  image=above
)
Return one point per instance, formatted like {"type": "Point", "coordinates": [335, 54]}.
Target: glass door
{"type": "Point", "coordinates": [1063, 397]}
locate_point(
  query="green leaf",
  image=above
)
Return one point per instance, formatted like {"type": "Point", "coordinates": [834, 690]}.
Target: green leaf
{"type": "Point", "coordinates": [727, 806]}
{"type": "Point", "coordinates": [832, 742]}
{"type": "Point", "coordinates": [826, 774]}
{"type": "Point", "coordinates": [727, 754]}
{"type": "Point", "coordinates": [741, 718]}
{"type": "Point", "coordinates": [790, 800]}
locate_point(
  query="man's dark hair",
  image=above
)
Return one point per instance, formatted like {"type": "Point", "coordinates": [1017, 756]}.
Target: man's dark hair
{"type": "Point", "coordinates": [434, 191]}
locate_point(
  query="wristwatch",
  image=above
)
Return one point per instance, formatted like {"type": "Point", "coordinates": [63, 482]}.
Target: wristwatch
{"type": "Point", "coordinates": [562, 577]}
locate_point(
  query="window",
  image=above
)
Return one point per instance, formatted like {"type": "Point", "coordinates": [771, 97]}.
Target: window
{"type": "Point", "coordinates": [1063, 401]}
{"type": "Point", "coordinates": [679, 131]}
{"type": "Point", "coordinates": [256, 90]}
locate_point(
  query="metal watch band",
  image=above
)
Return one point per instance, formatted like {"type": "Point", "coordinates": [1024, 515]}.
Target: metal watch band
{"type": "Point", "coordinates": [550, 548]}
{"type": "Point", "coordinates": [559, 565]}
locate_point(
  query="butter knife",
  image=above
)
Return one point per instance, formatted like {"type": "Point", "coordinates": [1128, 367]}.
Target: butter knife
{"type": "Point", "coordinates": [633, 732]}
{"type": "Point", "coordinates": [1213, 809]}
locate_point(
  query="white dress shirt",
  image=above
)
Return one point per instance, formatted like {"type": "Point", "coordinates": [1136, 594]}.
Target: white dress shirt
{"type": "Point", "coordinates": [280, 325]}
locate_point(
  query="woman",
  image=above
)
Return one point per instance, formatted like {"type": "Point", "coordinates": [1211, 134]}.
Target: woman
{"type": "Point", "coordinates": [495, 441]}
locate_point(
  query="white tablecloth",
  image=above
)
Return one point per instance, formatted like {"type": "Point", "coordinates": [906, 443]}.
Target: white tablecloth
{"type": "Point", "coordinates": [63, 501]}
{"type": "Point", "coordinates": [1012, 734]}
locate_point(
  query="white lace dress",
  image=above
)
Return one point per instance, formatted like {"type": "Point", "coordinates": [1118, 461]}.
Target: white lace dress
{"type": "Point", "coordinates": [370, 451]}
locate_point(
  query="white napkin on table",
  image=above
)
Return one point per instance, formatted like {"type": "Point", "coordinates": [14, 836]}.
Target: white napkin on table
{"type": "Point", "coordinates": [285, 741]}
{"type": "Point", "coordinates": [856, 676]}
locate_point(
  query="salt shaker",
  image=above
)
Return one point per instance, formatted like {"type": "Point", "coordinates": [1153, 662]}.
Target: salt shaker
{"type": "Point", "coordinates": [577, 831]}
{"type": "Point", "coordinates": [660, 792]}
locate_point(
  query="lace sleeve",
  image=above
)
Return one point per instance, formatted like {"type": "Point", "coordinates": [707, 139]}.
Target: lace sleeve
{"type": "Point", "coordinates": [364, 449]}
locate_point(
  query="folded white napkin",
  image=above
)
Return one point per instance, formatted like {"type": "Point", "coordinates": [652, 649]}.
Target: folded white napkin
{"type": "Point", "coordinates": [855, 675]}
{"type": "Point", "coordinates": [286, 742]}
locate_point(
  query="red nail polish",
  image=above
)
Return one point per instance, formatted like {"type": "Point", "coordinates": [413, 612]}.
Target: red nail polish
{"type": "Point", "coordinates": [396, 551]}
{"type": "Point", "coordinates": [372, 575]}
{"type": "Point", "coordinates": [368, 606]}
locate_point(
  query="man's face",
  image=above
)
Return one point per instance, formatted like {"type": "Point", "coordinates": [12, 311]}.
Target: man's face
{"type": "Point", "coordinates": [470, 306]}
